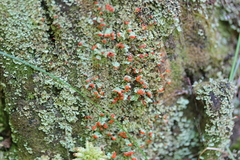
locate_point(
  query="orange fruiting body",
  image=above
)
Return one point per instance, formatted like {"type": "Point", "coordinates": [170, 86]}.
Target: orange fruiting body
{"type": "Point", "coordinates": [114, 155]}
{"type": "Point", "coordinates": [141, 92]}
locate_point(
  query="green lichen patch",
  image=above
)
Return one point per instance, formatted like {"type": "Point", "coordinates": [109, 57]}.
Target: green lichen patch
{"type": "Point", "coordinates": [217, 121]}
{"type": "Point", "coordinates": [114, 52]}
{"type": "Point", "coordinates": [230, 13]}
{"type": "Point", "coordinates": [99, 47]}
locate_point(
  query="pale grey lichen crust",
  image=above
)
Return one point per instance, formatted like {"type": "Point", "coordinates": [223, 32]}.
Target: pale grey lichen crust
{"type": "Point", "coordinates": [217, 96]}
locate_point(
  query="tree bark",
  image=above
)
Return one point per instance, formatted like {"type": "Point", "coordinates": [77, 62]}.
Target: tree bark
{"type": "Point", "coordinates": [137, 60]}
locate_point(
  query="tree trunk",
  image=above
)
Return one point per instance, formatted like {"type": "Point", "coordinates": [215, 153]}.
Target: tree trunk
{"type": "Point", "coordinates": [135, 61]}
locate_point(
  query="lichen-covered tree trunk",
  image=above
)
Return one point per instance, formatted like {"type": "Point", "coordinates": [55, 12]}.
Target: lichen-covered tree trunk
{"type": "Point", "coordinates": [137, 60]}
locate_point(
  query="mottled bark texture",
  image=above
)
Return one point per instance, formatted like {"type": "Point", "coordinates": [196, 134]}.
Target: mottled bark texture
{"type": "Point", "coordinates": [136, 59]}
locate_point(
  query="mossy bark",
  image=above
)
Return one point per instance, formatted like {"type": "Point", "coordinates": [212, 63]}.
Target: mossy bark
{"type": "Point", "coordinates": [137, 60]}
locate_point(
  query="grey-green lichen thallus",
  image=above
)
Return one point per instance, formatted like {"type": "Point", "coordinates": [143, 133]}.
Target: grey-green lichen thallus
{"type": "Point", "coordinates": [217, 120]}
{"type": "Point", "coordinates": [130, 57]}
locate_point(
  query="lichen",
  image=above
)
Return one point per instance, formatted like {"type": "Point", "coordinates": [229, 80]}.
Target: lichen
{"type": "Point", "coordinates": [44, 157]}
{"type": "Point", "coordinates": [217, 121]}
{"type": "Point", "coordinates": [115, 53]}
{"type": "Point", "coordinates": [89, 153]}
{"type": "Point", "coordinates": [205, 40]}
{"type": "Point", "coordinates": [230, 13]}
{"type": "Point", "coordinates": [110, 39]}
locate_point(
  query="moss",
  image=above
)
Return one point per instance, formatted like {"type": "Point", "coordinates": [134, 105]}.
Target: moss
{"type": "Point", "coordinates": [27, 128]}
{"type": "Point", "coordinates": [193, 42]}
{"type": "Point", "coordinates": [3, 115]}
{"type": "Point", "coordinates": [236, 145]}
